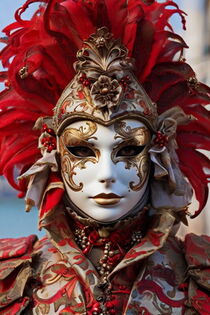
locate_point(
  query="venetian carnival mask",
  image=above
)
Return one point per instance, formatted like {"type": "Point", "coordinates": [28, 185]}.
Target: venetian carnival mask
{"type": "Point", "coordinates": [104, 121]}
{"type": "Point", "coordinates": [105, 169]}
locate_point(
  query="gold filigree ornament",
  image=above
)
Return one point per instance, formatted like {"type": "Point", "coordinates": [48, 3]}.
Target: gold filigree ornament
{"type": "Point", "coordinates": [104, 88]}
{"type": "Point", "coordinates": [76, 137]}
{"type": "Point", "coordinates": [138, 137]}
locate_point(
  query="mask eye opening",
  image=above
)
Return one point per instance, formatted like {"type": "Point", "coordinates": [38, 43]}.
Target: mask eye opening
{"type": "Point", "coordinates": [81, 151]}
{"type": "Point", "coordinates": [130, 150]}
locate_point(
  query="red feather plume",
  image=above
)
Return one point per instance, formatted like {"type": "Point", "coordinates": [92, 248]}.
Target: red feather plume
{"type": "Point", "coordinates": [46, 46]}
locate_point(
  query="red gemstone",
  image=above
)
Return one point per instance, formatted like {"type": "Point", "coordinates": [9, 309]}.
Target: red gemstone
{"type": "Point", "coordinates": [50, 148]}
{"type": "Point", "coordinates": [7, 83]}
{"type": "Point", "coordinates": [85, 53]}
{"type": "Point", "coordinates": [50, 131]}
{"type": "Point", "coordinates": [21, 194]}
{"type": "Point", "coordinates": [95, 309]}
{"type": "Point", "coordinates": [86, 82]}
{"type": "Point", "coordinates": [87, 249]}
{"type": "Point", "coordinates": [44, 127]}
{"type": "Point", "coordinates": [109, 304]}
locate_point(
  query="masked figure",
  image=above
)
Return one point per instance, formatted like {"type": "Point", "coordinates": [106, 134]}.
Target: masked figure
{"type": "Point", "coordinates": [115, 166]}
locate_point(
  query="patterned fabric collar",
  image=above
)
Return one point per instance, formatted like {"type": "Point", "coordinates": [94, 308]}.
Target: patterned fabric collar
{"type": "Point", "coordinates": [63, 238]}
{"type": "Point", "coordinates": [112, 242]}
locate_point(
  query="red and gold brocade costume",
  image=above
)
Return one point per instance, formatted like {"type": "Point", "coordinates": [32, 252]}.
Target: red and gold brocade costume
{"type": "Point", "coordinates": [159, 275]}
{"type": "Point", "coordinates": [151, 271]}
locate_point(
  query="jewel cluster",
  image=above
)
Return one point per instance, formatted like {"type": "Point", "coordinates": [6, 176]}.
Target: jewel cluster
{"type": "Point", "coordinates": [160, 139]}
{"type": "Point", "coordinates": [49, 142]}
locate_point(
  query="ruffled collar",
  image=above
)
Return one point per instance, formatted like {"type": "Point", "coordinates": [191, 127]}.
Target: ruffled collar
{"type": "Point", "coordinates": [128, 221]}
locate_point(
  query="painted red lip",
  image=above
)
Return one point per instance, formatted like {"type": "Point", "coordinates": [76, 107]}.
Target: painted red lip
{"type": "Point", "coordinates": [107, 196]}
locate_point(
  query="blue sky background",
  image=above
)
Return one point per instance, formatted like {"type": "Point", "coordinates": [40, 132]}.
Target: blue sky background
{"type": "Point", "coordinates": [14, 222]}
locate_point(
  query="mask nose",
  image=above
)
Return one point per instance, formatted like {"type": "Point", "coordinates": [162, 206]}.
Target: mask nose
{"type": "Point", "coordinates": [107, 181]}
{"type": "Point", "coordinates": [106, 173]}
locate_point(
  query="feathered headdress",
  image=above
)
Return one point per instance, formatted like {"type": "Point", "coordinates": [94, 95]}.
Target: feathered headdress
{"type": "Point", "coordinates": [39, 57]}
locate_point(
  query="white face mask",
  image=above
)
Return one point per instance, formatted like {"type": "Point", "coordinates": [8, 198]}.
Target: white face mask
{"type": "Point", "coordinates": [105, 169]}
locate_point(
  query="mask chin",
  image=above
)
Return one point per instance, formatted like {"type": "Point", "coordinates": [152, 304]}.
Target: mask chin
{"type": "Point", "coordinates": [71, 207]}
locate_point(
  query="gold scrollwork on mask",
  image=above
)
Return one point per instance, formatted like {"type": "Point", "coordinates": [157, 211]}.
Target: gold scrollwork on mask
{"type": "Point", "coordinates": [143, 167]}
{"type": "Point", "coordinates": [140, 137]}
{"type": "Point", "coordinates": [73, 137]}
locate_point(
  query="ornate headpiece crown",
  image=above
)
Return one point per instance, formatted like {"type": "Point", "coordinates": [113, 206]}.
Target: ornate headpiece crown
{"type": "Point", "coordinates": [104, 87]}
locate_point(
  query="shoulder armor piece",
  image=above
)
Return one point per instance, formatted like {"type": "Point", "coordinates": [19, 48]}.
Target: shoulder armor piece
{"type": "Point", "coordinates": [15, 270]}
{"type": "Point", "coordinates": [197, 254]}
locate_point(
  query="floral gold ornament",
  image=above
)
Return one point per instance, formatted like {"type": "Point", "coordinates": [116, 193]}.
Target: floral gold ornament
{"type": "Point", "coordinates": [106, 93]}
{"type": "Point", "coordinates": [193, 84]}
{"type": "Point", "coordinates": [102, 38]}
{"type": "Point", "coordinates": [23, 72]}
